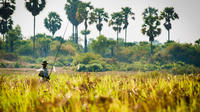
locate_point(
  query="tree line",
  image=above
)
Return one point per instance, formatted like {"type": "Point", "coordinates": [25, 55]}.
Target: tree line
{"type": "Point", "coordinates": [79, 12]}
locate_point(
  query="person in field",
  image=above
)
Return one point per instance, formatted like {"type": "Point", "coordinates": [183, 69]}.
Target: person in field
{"type": "Point", "coordinates": [44, 72]}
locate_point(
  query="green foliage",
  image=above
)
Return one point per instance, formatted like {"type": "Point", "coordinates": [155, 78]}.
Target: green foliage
{"type": "Point", "coordinates": [151, 24]}
{"type": "Point", "coordinates": [13, 36]}
{"type": "Point", "coordinates": [44, 46]}
{"type": "Point", "coordinates": [102, 44]}
{"type": "Point", "coordinates": [98, 16]}
{"type": "Point", "coordinates": [25, 49]}
{"type": "Point", "coordinates": [180, 68]}
{"type": "Point", "coordinates": [53, 22]}
{"type": "Point", "coordinates": [91, 62]}
{"type": "Point", "coordinates": [5, 25]}
{"type": "Point", "coordinates": [94, 67]}
{"type": "Point", "coordinates": [73, 15]}
{"type": "Point", "coordinates": [66, 48]}
{"type": "Point", "coordinates": [35, 6]}
{"type": "Point", "coordinates": [168, 14]}
{"type": "Point", "coordinates": [11, 65]}
{"type": "Point", "coordinates": [85, 58]}
{"type": "Point", "coordinates": [116, 21]}
{"type": "Point", "coordinates": [197, 41]}
{"type": "Point", "coordinates": [8, 56]}
{"type": "Point", "coordinates": [179, 52]}
{"type": "Point", "coordinates": [85, 32]}
{"type": "Point", "coordinates": [7, 8]}
{"type": "Point", "coordinates": [27, 59]}
{"type": "Point", "coordinates": [64, 61]}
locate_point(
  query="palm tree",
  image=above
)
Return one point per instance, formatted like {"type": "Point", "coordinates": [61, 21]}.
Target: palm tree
{"type": "Point", "coordinates": [98, 16]}
{"type": "Point", "coordinates": [6, 10]}
{"type": "Point", "coordinates": [197, 42]}
{"type": "Point", "coordinates": [85, 33]}
{"type": "Point", "coordinates": [151, 24]}
{"type": "Point", "coordinates": [73, 15]}
{"type": "Point", "coordinates": [126, 12]}
{"type": "Point", "coordinates": [5, 26]}
{"type": "Point", "coordinates": [116, 21]}
{"type": "Point", "coordinates": [53, 22]}
{"type": "Point", "coordinates": [168, 14]}
{"type": "Point", "coordinates": [83, 10]}
{"type": "Point", "coordinates": [35, 7]}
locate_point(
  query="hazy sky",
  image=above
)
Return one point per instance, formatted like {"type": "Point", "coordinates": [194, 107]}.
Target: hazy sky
{"type": "Point", "coordinates": [186, 29]}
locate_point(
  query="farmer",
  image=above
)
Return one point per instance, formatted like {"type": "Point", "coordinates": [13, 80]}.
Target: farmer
{"type": "Point", "coordinates": [44, 72]}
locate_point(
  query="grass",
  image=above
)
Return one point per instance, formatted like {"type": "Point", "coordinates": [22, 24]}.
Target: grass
{"type": "Point", "coordinates": [138, 92]}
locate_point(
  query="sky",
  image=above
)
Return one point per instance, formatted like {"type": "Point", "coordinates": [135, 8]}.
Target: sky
{"type": "Point", "coordinates": [184, 30]}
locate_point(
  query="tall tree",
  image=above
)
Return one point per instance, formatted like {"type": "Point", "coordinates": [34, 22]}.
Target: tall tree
{"type": "Point", "coordinates": [71, 8]}
{"type": "Point", "coordinates": [83, 10]}
{"type": "Point", "coordinates": [168, 14]}
{"type": "Point", "coordinates": [13, 36]}
{"type": "Point", "coordinates": [98, 16]}
{"type": "Point", "coordinates": [7, 8]}
{"type": "Point", "coordinates": [127, 12]}
{"type": "Point", "coordinates": [85, 33]}
{"type": "Point", "coordinates": [5, 26]}
{"type": "Point", "coordinates": [116, 21]}
{"type": "Point", "coordinates": [100, 45]}
{"type": "Point", "coordinates": [35, 7]}
{"type": "Point", "coordinates": [197, 41]}
{"type": "Point", "coordinates": [53, 22]}
{"type": "Point", "coordinates": [151, 24]}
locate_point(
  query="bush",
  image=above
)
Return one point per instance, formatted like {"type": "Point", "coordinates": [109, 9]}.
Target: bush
{"type": "Point", "coordinates": [95, 67]}
{"type": "Point", "coordinates": [27, 59]}
{"type": "Point", "coordinates": [8, 56]}
{"type": "Point", "coordinates": [174, 52]}
{"type": "Point", "coordinates": [89, 67]}
{"type": "Point", "coordinates": [85, 58]}
{"type": "Point", "coordinates": [3, 65]}
{"type": "Point", "coordinates": [18, 65]}
{"type": "Point", "coordinates": [25, 50]}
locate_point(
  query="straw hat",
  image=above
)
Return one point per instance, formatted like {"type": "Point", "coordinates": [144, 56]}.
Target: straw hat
{"type": "Point", "coordinates": [44, 63]}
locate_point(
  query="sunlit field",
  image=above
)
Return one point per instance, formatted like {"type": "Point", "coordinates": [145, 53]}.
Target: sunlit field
{"type": "Point", "coordinates": [113, 92]}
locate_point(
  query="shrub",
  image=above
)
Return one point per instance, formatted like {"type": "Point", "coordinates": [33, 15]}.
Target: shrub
{"type": "Point", "coordinates": [3, 65]}
{"type": "Point", "coordinates": [25, 50]}
{"type": "Point", "coordinates": [8, 56]}
{"type": "Point", "coordinates": [27, 59]}
{"type": "Point", "coordinates": [89, 67]}
{"type": "Point", "coordinates": [85, 58]}
{"type": "Point", "coordinates": [95, 67]}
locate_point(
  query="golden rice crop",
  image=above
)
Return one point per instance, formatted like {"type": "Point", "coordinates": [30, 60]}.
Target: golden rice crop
{"type": "Point", "coordinates": [85, 92]}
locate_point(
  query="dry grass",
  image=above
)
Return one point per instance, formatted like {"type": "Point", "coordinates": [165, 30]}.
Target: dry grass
{"type": "Point", "coordinates": [102, 92]}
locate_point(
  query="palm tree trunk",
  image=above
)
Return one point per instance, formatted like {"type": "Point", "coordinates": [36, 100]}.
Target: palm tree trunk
{"type": "Point", "coordinates": [34, 38]}
{"type": "Point", "coordinates": [117, 33]}
{"type": "Point", "coordinates": [85, 50]}
{"type": "Point", "coordinates": [125, 35]}
{"type": "Point", "coordinates": [52, 35]}
{"type": "Point", "coordinates": [3, 37]}
{"type": "Point", "coordinates": [7, 44]}
{"type": "Point", "coordinates": [73, 33]}
{"type": "Point", "coordinates": [112, 51]}
{"type": "Point", "coordinates": [168, 35]}
{"type": "Point", "coordinates": [76, 35]}
{"type": "Point", "coordinates": [85, 43]}
{"type": "Point", "coordinates": [151, 48]}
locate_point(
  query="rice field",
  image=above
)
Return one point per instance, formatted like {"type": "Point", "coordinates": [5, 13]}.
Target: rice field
{"type": "Point", "coordinates": [100, 92]}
